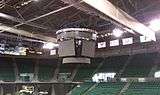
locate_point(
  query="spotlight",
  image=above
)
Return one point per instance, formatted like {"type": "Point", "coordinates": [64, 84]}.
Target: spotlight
{"type": "Point", "coordinates": [155, 24]}
{"type": "Point", "coordinates": [50, 45]}
{"type": "Point", "coordinates": [117, 32]}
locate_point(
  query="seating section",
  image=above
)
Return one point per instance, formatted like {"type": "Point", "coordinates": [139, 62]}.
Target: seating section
{"type": "Point", "coordinates": [113, 64]}
{"type": "Point", "coordinates": [25, 65]}
{"type": "Point", "coordinates": [139, 66]}
{"type": "Point", "coordinates": [81, 89]}
{"type": "Point", "coordinates": [135, 88]}
{"type": "Point", "coordinates": [46, 69]}
{"type": "Point", "coordinates": [98, 89]}
{"type": "Point", "coordinates": [26, 68]}
{"type": "Point", "coordinates": [150, 88]}
{"type": "Point", "coordinates": [6, 70]}
{"type": "Point", "coordinates": [106, 89]}
{"type": "Point", "coordinates": [86, 71]}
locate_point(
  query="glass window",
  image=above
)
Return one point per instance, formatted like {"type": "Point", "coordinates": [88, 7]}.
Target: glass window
{"type": "Point", "coordinates": [144, 39]}
{"type": "Point", "coordinates": [114, 43]}
{"type": "Point", "coordinates": [127, 41]}
{"type": "Point", "coordinates": [101, 44]}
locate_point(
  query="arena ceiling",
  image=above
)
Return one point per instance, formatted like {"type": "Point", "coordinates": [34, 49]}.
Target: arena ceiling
{"type": "Point", "coordinates": [45, 17]}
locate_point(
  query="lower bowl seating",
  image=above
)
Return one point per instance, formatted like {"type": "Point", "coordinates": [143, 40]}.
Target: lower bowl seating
{"type": "Point", "coordinates": [146, 88]}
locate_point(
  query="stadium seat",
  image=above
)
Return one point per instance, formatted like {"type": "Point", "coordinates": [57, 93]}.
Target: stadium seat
{"type": "Point", "coordinates": [139, 66]}
{"type": "Point", "coordinates": [80, 90]}
{"type": "Point", "coordinates": [146, 88]}
{"type": "Point", "coordinates": [99, 89]}
{"type": "Point", "coordinates": [113, 64]}
{"type": "Point", "coordinates": [106, 89]}
{"type": "Point", "coordinates": [135, 88]}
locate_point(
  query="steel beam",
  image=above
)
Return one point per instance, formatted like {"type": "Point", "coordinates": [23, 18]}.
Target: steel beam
{"type": "Point", "coordinates": [27, 34]}
{"type": "Point", "coordinates": [6, 16]}
{"type": "Point", "coordinates": [115, 13]}
{"type": "Point", "coordinates": [25, 39]}
{"type": "Point", "coordinates": [47, 14]}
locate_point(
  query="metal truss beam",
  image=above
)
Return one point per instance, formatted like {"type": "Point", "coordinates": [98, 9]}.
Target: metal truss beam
{"type": "Point", "coordinates": [47, 14]}
{"type": "Point", "coordinates": [27, 34]}
{"type": "Point", "coordinates": [5, 16]}
{"type": "Point", "coordinates": [115, 13]}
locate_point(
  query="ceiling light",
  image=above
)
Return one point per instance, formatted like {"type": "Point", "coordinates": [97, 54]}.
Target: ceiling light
{"type": "Point", "coordinates": [22, 4]}
{"type": "Point", "coordinates": [49, 45]}
{"type": "Point", "coordinates": [155, 24]}
{"type": "Point", "coordinates": [3, 15]}
{"type": "Point", "coordinates": [106, 35]}
{"type": "Point", "coordinates": [117, 32]}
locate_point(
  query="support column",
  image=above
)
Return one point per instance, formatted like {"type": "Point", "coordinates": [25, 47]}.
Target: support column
{"type": "Point", "coordinates": [1, 90]}
{"type": "Point", "coordinates": [59, 89]}
{"type": "Point", "coordinates": [14, 89]}
{"type": "Point", "coordinates": [36, 89]}
{"type": "Point", "coordinates": [16, 71]}
{"type": "Point", "coordinates": [36, 69]}
{"type": "Point", "coordinates": [74, 72]}
{"type": "Point", "coordinates": [17, 88]}
{"type": "Point", "coordinates": [56, 73]}
{"type": "Point", "coordinates": [53, 90]}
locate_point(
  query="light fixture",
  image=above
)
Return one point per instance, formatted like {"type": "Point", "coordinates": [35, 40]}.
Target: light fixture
{"type": "Point", "coordinates": [155, 24]}
{"type": "Point", "coordinates": [117, 32]}
{"type": "Point", "coordinates": [49, 45]}
{"type": "Point", "coordinates": [106, 35]}
{"type": "Point", "coordinates": [3, 15]}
